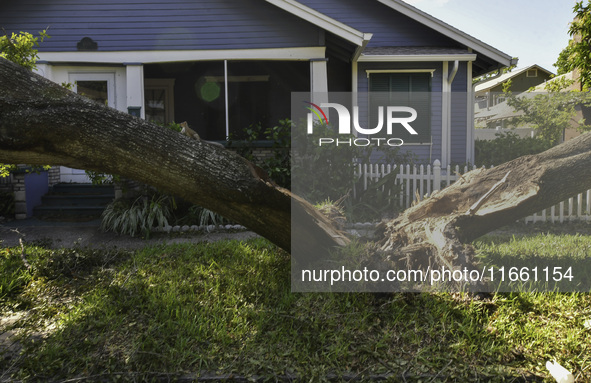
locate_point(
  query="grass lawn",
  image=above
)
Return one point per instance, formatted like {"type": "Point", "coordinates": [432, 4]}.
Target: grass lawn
{"type": "Point", "coordinates": [226, 308]}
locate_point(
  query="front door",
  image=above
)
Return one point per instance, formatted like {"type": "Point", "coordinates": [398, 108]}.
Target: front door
{"type": "Point", "coordinates": [99, 87]}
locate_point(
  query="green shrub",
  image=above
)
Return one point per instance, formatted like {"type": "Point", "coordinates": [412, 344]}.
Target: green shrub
{"type": "Point", "coordinates": [197, 215]}
{"type": "Point", "coordinates": [506, 147]}
{"type": "Point", "coordinates": [278, 166]}
{"type": "Point", "coordinates": [138, 216]}
{"type": "Point", "coordinates": [329, 172]}
{"type": "Point", "coordinates": [14, 277]}
{"type": "Point", "coordinates": [21, 48]}
{"type": "Point", "coordinates": [326, 173]}
{"type": "Point", "coordinates": [378, 201]}
{"type": "Point", "coordinates": [6, 204]}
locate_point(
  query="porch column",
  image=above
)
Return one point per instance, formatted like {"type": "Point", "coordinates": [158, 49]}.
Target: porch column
{"type": "Point", "coordinates": [318, 80]}
{"type": "Point", "coordinates": [445, 106]}
{"type": "Point", "coordinates": [448, 79]}
{"type": "Point", "coordinates": [135, 89]}
{"type": "Point", "coordinates": [470, 118]}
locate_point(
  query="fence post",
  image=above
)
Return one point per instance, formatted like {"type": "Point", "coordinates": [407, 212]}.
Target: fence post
{"type": "Point", "coordinates": [429, 179]}
{"type": "Point", "coordinates": [400, 181]}
{"type": "Point", "coordinates": [436, 175]}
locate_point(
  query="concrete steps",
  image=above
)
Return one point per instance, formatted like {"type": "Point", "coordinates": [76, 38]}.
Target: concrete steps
{"type": "Point", "coordinates": [74, 202]}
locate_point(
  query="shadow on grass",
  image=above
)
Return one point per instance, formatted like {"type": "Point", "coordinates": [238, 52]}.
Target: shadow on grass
{"type": "Point", "coordinates": [226, 308]}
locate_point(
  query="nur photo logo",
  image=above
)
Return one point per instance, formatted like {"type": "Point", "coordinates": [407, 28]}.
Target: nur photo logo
{"type": "Point", "coordinates": [390, 117]}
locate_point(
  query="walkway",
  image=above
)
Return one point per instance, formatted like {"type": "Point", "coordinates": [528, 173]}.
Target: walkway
{"type": "Point", "coordinates": [88, 234]}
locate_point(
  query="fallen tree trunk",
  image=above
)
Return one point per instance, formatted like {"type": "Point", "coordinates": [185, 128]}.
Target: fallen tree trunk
{"type": "Point", "coordinates": [43, 123]}
{"type": "Point", "coordinates": [435, 231]}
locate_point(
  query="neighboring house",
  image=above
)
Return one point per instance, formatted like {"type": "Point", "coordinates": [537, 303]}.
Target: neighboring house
{"type": "Point", "coordinates": [496, 119]}
{"type": "Point", "coordinates": [499, 118]}
{"type": "Point", "coordinates": [489, 92]}
{"type": "Point", "coordinates": [222, 65]}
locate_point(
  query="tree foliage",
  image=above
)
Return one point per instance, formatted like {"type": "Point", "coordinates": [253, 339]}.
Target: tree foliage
{"type": "Point", "coordinates": [20, 48]}
{"type": "Point", "coordinates": [551, 111]}
{"type": "Point", "coordinates": [277, 165]}
{"type": "Point", "coordinates": [506, 147]}
{"type": "Point", "coordinates": [577, 54]}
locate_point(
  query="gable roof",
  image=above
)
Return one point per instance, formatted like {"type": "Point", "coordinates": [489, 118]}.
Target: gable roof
{"type": "Point", "coordinates": [449, 31]}
{"type": "Point", "coordinates": [321, 20]}
{"type": "Point", "coordinates": [489, 57]}
{"type": "Point", "coordinates": [495, 81]}
{"type": "Point", "coordinates": [250, 24]}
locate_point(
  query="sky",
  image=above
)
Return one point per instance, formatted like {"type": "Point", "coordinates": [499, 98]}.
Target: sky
{"type": "Point", "coordinates": [533, 31]}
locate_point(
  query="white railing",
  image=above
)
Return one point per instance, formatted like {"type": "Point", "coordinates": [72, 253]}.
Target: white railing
{"type": "Point", "coordinates": [574, 208]}
{"type": "Point", "coordinates": [418, 182]}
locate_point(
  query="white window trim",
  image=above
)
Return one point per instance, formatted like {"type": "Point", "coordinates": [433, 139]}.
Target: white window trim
{"type": "Point", "coordinates": [109, 77]}
{"type": "Point", "coordinates": [371, 71]}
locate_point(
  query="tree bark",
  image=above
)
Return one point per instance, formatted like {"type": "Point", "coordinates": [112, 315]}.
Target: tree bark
{"type": "Point", "coordinates": [43, 123]}
{"type": "Point", "coordinates": [435, 231]}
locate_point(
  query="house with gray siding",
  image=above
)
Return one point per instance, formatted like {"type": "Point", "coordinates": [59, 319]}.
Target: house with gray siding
{"type": "Point", "coordinates": [489, 92]}
{"type": "Point", "coordinates": [222, 65]}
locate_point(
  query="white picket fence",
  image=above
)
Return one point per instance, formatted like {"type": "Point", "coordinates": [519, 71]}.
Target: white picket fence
{"type": "Point", "coordinates": [418, 182]}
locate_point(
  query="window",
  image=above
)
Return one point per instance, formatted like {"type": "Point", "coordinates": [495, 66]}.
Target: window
{"type": "Point", "coordinates": [248, 102]}
{"type": "Point", "coordinates": [99, 87]}
{"type": "Point", "coordinates": [159, 100]}
{"type": "Point", "coordinates": [259, 92]}
{"type": "Point", "coordinates": [532, 73]}
{"type": "Point", "coordinates": [403, 89]}
{"type": "Point", "coordinates": [95, 90]}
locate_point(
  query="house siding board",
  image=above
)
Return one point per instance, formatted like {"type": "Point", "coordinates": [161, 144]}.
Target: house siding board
{"type": "Point", "coordinates": [389, 28]}
{"type": "Point", "coordinates": [458, 128]}
{"type": "Point", "coordinates": [156, 25]}
{"type": "Point", "coordinates": [460, 82]}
